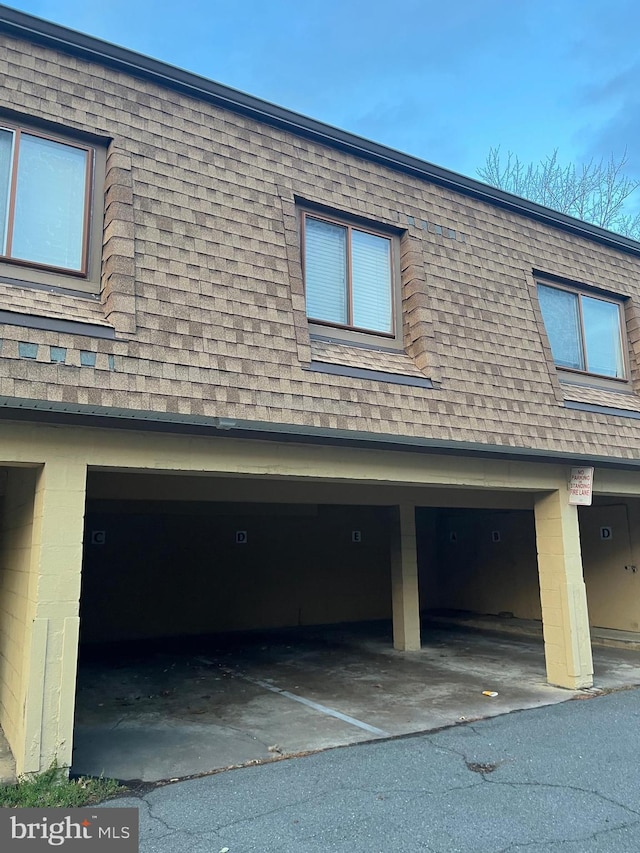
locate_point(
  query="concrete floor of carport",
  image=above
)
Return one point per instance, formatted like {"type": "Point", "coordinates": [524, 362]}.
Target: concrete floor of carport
{"type": "Point", "coordinates": [213, 703]}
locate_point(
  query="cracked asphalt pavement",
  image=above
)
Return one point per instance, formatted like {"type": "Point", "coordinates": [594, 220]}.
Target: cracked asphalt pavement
{"type": "Point", "coordinates": [563, 778]}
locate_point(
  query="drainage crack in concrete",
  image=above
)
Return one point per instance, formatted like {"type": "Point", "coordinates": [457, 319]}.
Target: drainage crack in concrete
{"type": "Point", "coordinates": [576, 788]}
{"type": "Point", "coordinates": [312, 798]}
{"type": "Point", "coordinates": [418, 794]}
{"type": "Point", "coordinates": [520, 845]}
{"type": "Point", "coordinates": [473, 728]}
{"type": "Point", "coordinates": [483, 767]}
{"type": "Point", "coordinates": [172, 830]}
{"type": "Point", "coordinates": [223, 724]}
{"type": "Point", "coordinates": [451, 751]}
{"type": "Point", "coordinates": [424, 847]}
{"type": "Point", "coordinates": [415, 793]}
{"type": "Point", "coordinates": [268, 746]}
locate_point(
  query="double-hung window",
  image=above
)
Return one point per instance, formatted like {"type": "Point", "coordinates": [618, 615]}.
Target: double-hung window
{"type": "Point", "coordinates": [44, 201]}
{"type": "Point", "coordinates": [584, 331]}
{"type": "Point", "coordinates": [349, 276]}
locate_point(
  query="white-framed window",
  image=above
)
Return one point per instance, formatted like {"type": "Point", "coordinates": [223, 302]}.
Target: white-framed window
{"type": "Point", "coordinates": [349, 274]}
{"type": "Point", "coordinates": [585, 330]}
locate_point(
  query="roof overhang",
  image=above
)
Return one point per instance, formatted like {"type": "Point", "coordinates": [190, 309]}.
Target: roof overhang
{"type": "Point", "coordinates": [105, 417]}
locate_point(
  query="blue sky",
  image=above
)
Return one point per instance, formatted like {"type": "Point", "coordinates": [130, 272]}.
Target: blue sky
{"type": "Point", "coordinates": [441, 80]}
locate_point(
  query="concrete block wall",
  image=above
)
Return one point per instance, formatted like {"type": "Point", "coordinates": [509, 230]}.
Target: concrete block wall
{"type": "Point", "coordinates": [477, 574]}
{"type": "Point", "coordinates": [479, 560]}
{"type": "Point", "coordinates": [56, 564]}
{"type": "Point", "coordinates": [17, 597]}
{"type": "Point", "coordinates": [171, 570]}
{"type": "Point", "coordinates": [40, 563]}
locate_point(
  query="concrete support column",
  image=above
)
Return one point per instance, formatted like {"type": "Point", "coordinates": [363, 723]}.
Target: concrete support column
{"type": "Point", "coordinates": [51, 637]}
{"type": "Point", "coordinates": [565, 620]}
{"type": "Point", "coordinates": [404, 579]}
{"type": "Point", "coordinates": [16, 600]}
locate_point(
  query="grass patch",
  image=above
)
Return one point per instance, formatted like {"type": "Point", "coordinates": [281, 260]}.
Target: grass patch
{"type": "Point", "coordinates": [52, 789]}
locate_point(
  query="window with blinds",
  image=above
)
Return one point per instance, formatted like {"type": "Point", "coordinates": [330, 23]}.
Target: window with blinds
{"type": "Point", "coordinates": [44, 198]}
{"type": "Point", "coordinates": [348, 276]}
{"type": "Point", "coordinates": [585, 331]}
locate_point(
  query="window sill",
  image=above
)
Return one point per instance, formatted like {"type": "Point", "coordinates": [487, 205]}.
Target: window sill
{"type": "Point", "coordinates": [365, 362]}
{"type": "Point", "coordinates": [354, 337]}
{"type": "Point", "coordinates": [593, 380]}
{"type": "Point", "coordinates": [365, 373]}
{"type": "Point", "coordinates": [41, 308]}
{"type": "Point", "coordinates": [603, 410]}
{"type": "Point", "coordinates": [616, 399]}
{"type": "Point", "coordinates": [23, 275]}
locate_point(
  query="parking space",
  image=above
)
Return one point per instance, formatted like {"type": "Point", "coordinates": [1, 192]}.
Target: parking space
{"type": "Point", "coordinates": [184, 708]}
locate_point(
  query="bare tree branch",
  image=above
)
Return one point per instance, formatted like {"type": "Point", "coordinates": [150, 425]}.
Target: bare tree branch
{"type": "Point", "coordinates": [595, 192]}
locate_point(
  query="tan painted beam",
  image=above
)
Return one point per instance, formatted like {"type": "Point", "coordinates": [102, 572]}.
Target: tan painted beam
{"type": "Point", "coordinates": [131, 451]}
{"type": "Point", "coordinates": [185, 487]}
{"type": "Point", "coordinates": [616, 483]}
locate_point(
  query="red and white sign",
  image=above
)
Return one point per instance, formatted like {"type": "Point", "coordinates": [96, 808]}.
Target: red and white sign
{"type": "Point", "coordinates": [581, 486]}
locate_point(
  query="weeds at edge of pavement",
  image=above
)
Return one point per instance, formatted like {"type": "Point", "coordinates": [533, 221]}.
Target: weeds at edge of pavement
{"type": "Point", "coordinates": [52, 789]}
